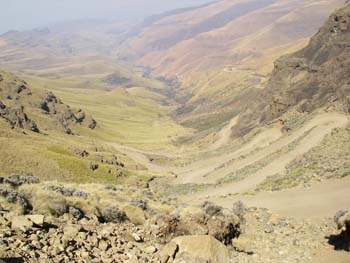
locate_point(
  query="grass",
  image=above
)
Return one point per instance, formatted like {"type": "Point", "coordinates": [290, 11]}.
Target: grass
{"type": "Point", "coordinates": [134, 116]}
{"type": "Point", "coordinates": [51, 158]}
{"type": "Point", "coordinates": [78, 168]}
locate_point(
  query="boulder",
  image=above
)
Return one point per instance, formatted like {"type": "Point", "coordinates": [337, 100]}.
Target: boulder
{"type": "Point", "coordinates": [16, 117]}
{"type": "Point", "coordinates": [37, 220]}
{"type": "Point", "coordinates": [113, 214]}
{"type": "Point", "coordinates": [70, 232]}
{"type": "Point", "coordinates": [243, 245]}
{"type": "Point", "coordinates": [21, 223]}
{"type": "Point", "coordinates": [208, 220]}
{"type": "Point", "coordinates": [151, 250]}
{"type": "Point", "coordinates": [93, 166]}
{"type": "Point", "coordinates": [200, 249]}
{"type": "Point", "coordinates": [136, 237]}
{"type": "Point", "coordinates": [75, 212]}
{"type": "Point", "coordinates": [12, 196]}
{"type": "Point", "coordinates": [168, 252]}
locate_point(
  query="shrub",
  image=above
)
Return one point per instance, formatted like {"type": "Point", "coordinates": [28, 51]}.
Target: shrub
{"type": "Point", "coordinates": [49, 203]}
{"type": "Point", "coordinates": [112, 213]}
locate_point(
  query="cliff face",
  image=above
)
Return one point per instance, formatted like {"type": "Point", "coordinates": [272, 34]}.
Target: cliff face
{"type": "Point", "coordinates": [314, 77]}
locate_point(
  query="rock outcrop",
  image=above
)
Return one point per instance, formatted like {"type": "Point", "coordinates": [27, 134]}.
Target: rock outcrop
{"type": "Point", "coordinates": [20, 104]}
{"type": "Point", "coordinates": [17, 118]}
{"type": "Point", "coordinates": [317, 76]}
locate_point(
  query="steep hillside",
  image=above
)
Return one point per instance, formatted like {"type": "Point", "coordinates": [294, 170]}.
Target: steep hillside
{"type": "Point", "coordinates": [292, 134]}
{"type": "Point", "coordinates": [312, 78]}
{"type": "Point", "coordinates": [221, 49]}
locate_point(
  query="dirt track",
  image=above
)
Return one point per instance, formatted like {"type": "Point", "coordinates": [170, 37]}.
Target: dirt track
{"type": "Point", "coordinates": [324, 198]}
{"type": "Point", "coordinates": [318, 128]}
{"type": "Point", "coordinates": [320, 200]}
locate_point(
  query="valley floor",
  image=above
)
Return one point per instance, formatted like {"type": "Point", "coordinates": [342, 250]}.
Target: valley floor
{"type": "Point", "coordinates": [271, 152]}
{"type": "Point", "coordinates": [318, 200]}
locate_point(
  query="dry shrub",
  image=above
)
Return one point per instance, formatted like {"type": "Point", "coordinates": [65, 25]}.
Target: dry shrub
{"type": "Point", "coordinates": [113, 214]}
{"type": "Point", "coordinates": [49, 203]}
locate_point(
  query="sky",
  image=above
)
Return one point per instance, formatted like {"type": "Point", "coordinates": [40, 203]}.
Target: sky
{"type": "Point", "coordinates": [28, 14]}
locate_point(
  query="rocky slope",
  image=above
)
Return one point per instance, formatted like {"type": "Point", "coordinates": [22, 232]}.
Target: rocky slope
{"type": "Point", "coordinates": [24, 107]}
{"type": "Point", "coordinates": [312, 78]}
{"type": "Point", "coordinates": [104, 223]}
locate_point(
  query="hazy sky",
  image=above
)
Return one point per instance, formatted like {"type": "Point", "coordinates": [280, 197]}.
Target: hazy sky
{"type": "Point", "coordinates": [27, 14]}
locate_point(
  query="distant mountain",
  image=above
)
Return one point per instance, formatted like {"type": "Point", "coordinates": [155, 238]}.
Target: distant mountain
{"type": "Point", "coordinates": [218, 50]}
{"type": "Point", "coordinates": [211, 59]}
{"type": "Point", "coordinates": [76, 49]}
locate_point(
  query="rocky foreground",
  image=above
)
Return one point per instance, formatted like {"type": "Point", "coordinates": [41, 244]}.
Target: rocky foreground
{"type": "Point", "coordinates": [140, 233]}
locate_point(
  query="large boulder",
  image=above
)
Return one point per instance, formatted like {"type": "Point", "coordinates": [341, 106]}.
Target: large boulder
{"type": "Point", "coordinates": [37, 220]}
{"type": "Point", "coordinates": [21, 223]}
{"type": "Point", "coordinates": [27, 222]}
{"type": "Point", "coordinates": [207, 220]}
{"type": "Point", "coordinates": [197, 249]}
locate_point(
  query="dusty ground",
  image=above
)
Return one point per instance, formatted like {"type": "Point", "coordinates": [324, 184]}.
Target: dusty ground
{"type": "Point", "coordinates": [320, 200]}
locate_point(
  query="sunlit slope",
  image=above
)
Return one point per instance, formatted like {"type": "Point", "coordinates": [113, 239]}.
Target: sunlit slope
{"type": "Point", "coordinates": [218, 51]}
{"type": "Point", "coordinates": [42, 135]}
{"type": "Point", "coordinates": [133, 116]}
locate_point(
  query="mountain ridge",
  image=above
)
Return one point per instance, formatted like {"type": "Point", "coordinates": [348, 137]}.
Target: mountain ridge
{"type": "Point", "coordinates": [314, 77]}
{"type": "Point", "coordinates": [215, 66]}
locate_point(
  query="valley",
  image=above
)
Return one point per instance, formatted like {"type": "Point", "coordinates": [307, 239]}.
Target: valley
{"type": "Point", "coordinates": [229, 120]}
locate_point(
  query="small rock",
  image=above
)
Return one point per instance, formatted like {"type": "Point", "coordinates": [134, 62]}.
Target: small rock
{"type": "Point", "coordinates": [151, 250]}
{"type": "Point", "coordinates": [136, 237]}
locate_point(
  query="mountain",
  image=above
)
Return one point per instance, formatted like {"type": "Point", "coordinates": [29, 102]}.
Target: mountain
{"type": "Point", "coordinates": [220, 49]}
{"type": "Point", "coordinates": [69, 51]}
{"type": "Point", "coordinates": [312, 78]}
{"type": "Point", "coordinates": [264, 178]}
